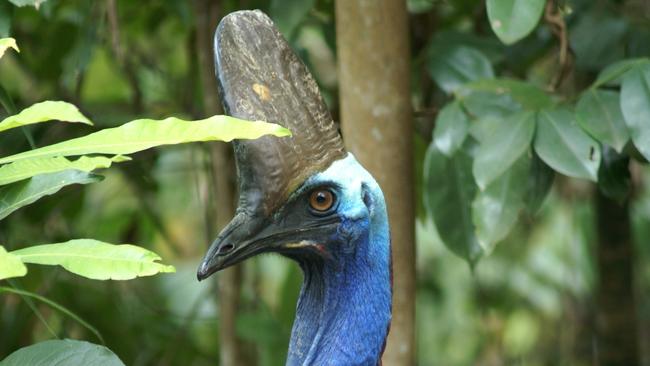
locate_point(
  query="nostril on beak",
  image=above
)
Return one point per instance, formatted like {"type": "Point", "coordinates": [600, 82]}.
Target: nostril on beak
{"type": "Point", "coordinates": [226, 248]}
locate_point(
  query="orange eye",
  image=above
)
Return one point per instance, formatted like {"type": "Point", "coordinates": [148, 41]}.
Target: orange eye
{"type": "Point", "coordinates": [321, 200]}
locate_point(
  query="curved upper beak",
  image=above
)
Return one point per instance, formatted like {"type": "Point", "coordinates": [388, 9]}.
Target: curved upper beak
{"type": "Point", "coordinates": [236, 242]}
{"type": "Point", "coordinates": [248, 235]}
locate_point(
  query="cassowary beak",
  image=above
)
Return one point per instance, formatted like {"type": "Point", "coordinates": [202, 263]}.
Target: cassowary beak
{"type": "Point", "coordinates": [234, 244]}
{"type": "Point", "coordinates": [246, 237]}
{"type": "Point", "coordinates": [261, 78]}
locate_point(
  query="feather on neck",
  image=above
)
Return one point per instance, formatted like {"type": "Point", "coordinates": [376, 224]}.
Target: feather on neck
{"type": "Point", "coordinates": [344, 307]}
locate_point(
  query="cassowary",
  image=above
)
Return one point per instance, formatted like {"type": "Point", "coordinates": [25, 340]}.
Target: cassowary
{"type": "Point", "coordinates": [304, 197]}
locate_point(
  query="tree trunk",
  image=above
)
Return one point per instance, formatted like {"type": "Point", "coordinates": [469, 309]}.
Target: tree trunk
{"type": "Point", "coordinates": [373, 51]}
{"type": "Point", "coordinates": [616, 307]}
{"type": "Point", "coordinates": [207, 15]}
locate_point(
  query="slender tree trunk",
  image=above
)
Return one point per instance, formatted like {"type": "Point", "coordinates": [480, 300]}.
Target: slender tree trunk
{"type": "Point", "coordinates": [207, 15]}
{"type": "Point", "coordinates": [373, 51]}
{"type": "Point", "coordinates": [616, 306]}
{"type": "Point", "coordinates": [229, 280]}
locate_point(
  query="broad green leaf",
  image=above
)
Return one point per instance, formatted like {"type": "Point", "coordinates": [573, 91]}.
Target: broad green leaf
{"type": "Point", "coordinates": [449, 191]}
{"type": "Point", "coordinates": [27, 168]}
{"type": "Point", "coordinates": [17, 195]}
{"type": "Point", "coordinates": [66, 352]}
{"type": "Point", "coordinates": [509, 140]}
{"type": "Point", "coordinates": [613, 74]}
{"type": "Point", "coordinates": [599, 113]}
{"type": "Point", "coordinates": [43, 112]}
{"type": "Point", "coordinates": [10, 265]}
{"type": "Point", "coordinates": [564, 146]}
{"type": "Point", "coordinates": [614, 175]}
{"type": "Point", "coordinates": [96, 260]}
{"type": "Point", "coordinates": [287, 14]}
{"type": "Point", "coordinates": [143, 134]}
{"type": "Point", "coordinates": [6, 43]}
{"type": "Point", "coordinates": [526, 94]}
{"type": "Point", "coordinates": [34, 3]}
{"type": "Point", "coordinates": [483, 128]}
{"type": "Point", "coordinates": [540, 181]}
{"type": "Point", "coordinates": [512, 20]}
{"type": "Point", "coordinates": [635, 103]}
{"type": "Point", "coordinates": [484, 104]}
{"type": "Point", "coordinates": [487, 110]}
{"type": "Point", "coordinates": [451, 128]}
{"type": "Point", "coordinates": [496, 208]}
{"type": "Point", "coordinates": [453, 65]}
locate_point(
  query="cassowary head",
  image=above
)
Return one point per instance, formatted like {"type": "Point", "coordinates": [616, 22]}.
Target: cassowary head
{"type": "Point", "coordinates": [293, 199]}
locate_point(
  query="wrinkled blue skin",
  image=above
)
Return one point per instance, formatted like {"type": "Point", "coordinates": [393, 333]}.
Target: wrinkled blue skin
{"type": "Point", "coordinates": [344, 309]}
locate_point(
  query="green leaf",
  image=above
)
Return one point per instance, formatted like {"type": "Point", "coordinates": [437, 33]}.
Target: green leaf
{"type": "Point", "coordinates": [483, 128]}
{"type": "Point", "coordinates": [512, 20]}
{"type": "Point", "coordinates": [43, 112]}
{"type": "Point", "coordinates": [564, 146]}
{"type": "Point", "coordinates": [34, 3]}
{"type": "Point", "coordinates": [510, 139]}
{"type": "Point", "coordinates": [635, 103]}
{"type": "Point", "coordinates": [614, 175]}
{"type": "Point", "coordinates": [495, 209]}
{"type": "Point", "coordinates": [143, 134]}
{"type": "Point", "coordinates": [10, 265]}
{"type": "Point", "coordinates": [540, 181]}
{"type": "Point", "coordinates": [27, 168]}
{"type": "Point", "coordinates": [451, 128]}
{"type": "Point", "coordinates": [17, 195]}
{"type": "Point", "coordinates": [613, 74]}
{"type": "Point", "coordinates": [6, 43]}
{"type": "Point", "coordinates": [448, 193]}
{"type": "Point", "coordinates": [96, 260]}
{"type": "Point", "coordinates": [599, 113]}
{"type": "Point", "coordinates": [487, 110]}
{"type": "Point", "coordinates": [453, 65]}
{"type": "Point", "coordinates": [526, 94]}
{"type": "Point", "coordinates": [287, 14]}
{"type": "Point", "coordinates": [65, 352]}
{"type": "Point", "coordinates": [486, 104]}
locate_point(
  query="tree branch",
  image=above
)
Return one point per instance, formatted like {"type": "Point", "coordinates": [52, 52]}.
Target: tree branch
{"type": "Point", "coordinates": [555, 21]}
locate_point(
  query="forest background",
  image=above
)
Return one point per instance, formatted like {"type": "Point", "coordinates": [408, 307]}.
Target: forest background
{"type": "Point", "coordinates": [524, 140]}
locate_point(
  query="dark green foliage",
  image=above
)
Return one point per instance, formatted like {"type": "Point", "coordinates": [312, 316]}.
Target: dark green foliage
{"type": "Point", "coordinates": [63, 353]}
{"type": "Point", "coordinates": [450, 202]}
{"type": "Point", "coordinates": [510, 118]}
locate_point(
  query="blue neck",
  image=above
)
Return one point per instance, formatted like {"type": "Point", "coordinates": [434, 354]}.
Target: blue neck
{"type": "Point", "coordinates": [344, 308]}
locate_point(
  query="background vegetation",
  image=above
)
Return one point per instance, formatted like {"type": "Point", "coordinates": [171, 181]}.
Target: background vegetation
{"type": "Point", "coordinates": [548, 267]}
